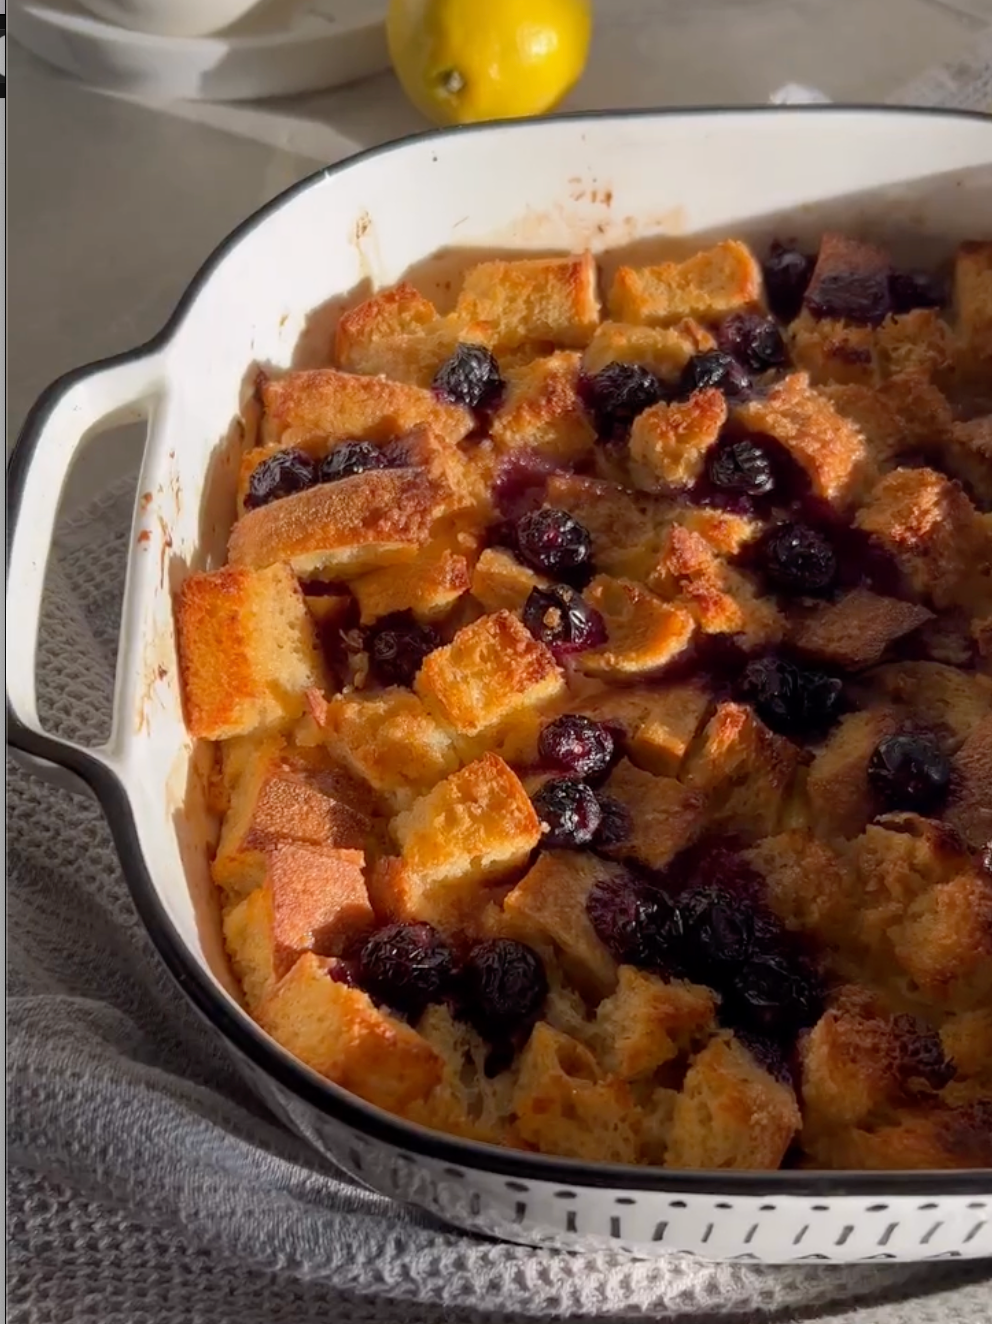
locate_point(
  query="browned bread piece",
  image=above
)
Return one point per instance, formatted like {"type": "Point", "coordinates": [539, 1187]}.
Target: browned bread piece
{"type": "Point", "coordinates": [973, 303]}
{"type": "Point", "coordinates": [841, 801]}
{"type": "Point", "coordinates": [969, 806]}
{"type": "Point", "coordinates": [247, 649]}
{"type": "Point", "coordinates": [669, 442]}
{"type": "Point", "coordinates": [945, 942]}
{"type": "Point", "coordinates": [549, 905]}
{"type": "Point", "coordinates": [648, 1021]}
{"type": "Point", "coordinates": [811, 887]}
{"type": "Point", "coordinates": [565, 1105]}
{"type": "Point", "coordinates": [399, 310]}
{"type": "Point", "coordinates": [542, 411]}
{"type": "Point", "coordinates": [926, 522]}
{"type": "Point", "coordinates": [907, 415]}
{"type": "Point", "coordinates": [501, 583]}
{"type": "Point", "coordinates": [833, 351]}
{"type": "Point", "coordinates": [665, 816]}
{"type": "Point", "coordinates": [967, 1040]}
{"type": "Point", "coordinates": [664, 349]}
{"type": "Point", "coordinates": [344, 529]}
{"type": "Point", "coordinates": [472, 829]}
{"type": "Point", "coordinates": [467, 1102]}
{"type": "Point", "coordinates": [922, 1138]}
{"type": "Point", "coordinates": [968, 455]}
{"type": "Point", "coordinates": [416, 357]}
{"type": "Point", "coordinates": [861, 266]}
{"type": "Point", "coordinates": [627, 528]}
{"type": "Point", "coordinates": [277, 803]}
{"type": "Point", "coordinates": [318, 408]}
{"type": "Point", "coordinates": [704, 286]}
{"type": "Point", "coordinates": [941, 699]}
{"type": "Point", "coordinates": [390, 739]}
{"type": "Point", "coordinates": [730, 1113]}
{"type": "Point", "coordinates": [855, 631]}
{"type": "Point", "coordinates": [337, 1032]}
{"type": "Point", "coordinates": [720, 598]}
{"type": "Point", "coordinates": [859, 1063]}
{"type": "Point", "coordinates": [552, 299]}
{"type": "Point", "coordinates": [744, 771]}
{"type": "Point", "coordinates": [493, 670]}
{"type": "Point", "coordinates": [826, 445]}
{"type": "Point", "coordinates": [313, 899]}
{"type": "Point", "coordinates": [428, 586]}
{"type": "Point", "coordinates": [658, 722]}
{"type": "Point", "coordinates": [644, 634]}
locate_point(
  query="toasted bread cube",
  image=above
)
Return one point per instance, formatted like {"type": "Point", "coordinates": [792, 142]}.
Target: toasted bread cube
{"type": "Point", "coordinates": [552, 299]}
{"type": "Point", "coordinates": [658, 722]}
{"type": "Point", "coordinates": [840, 797]}
{"type": "Point", "coordinates": [391, 740]}
{"type": "Point", "coordinates": [247, 648]}
{"type": "Point", "coordinates": [649, 1021]}
{"type": "Point", "coordinates": [541, 410]}
{"type": "Point", "coordinates": [344, 529]}
{"type": "Point", "coordinates": [720, 598]}
{"type": "Point", "coordinates": [862, 266]}
{"type": "Point", "coordinates": [905, 415]}
{"type": "Point", "coordinates": [493, 670]}
{"type": "Point", "coordinates": [416, 357]}
{"type": "Point", "coordinates": [665, 816]}
{"type": "Point", "coordinates": [564, 1105]}
{"type": "Point", "coordinates": [730, 1113]}
{"type": "Point", "coordinates": [945, 943]}
{"type": "Point", "coordinates": [270, 806]}
{"type": "Point", "coordinates": [946, 700]}
{"type": "Point", "coordinates": [745, 771]}
{"type": "Point", "coordinates": [968, 455]}
{"type": "Point", "coordinates": [313, 899]}
{"type": "Point", "coordinates": [969, 806]}
{"type": "Point", "coordinates": [826, 445]}
{"type": "Point", "coordinates": [809, 886]}
{"type": "Point", "coordinates": [705, 286]}
{"type": "Point", "coordinates": [338, 1032]}
{"type": "Point", "coordinates": [973, 301]}
{"type": "Point", "coordinates": [399, 310]}
{"type": "Point", "coordinates": [929, 526]}
{"type": "Point", "coordinates": [468, 1103]}
{"type": "Point", "coordinates": [967, 1040]}
{"type": "Point", "coordinates": [549, 904]}
{"type": "Point", "coordinates": [428, 586]}
{"type": "Point", "coordinates": [856, 631]}
{"type": "Point", "coordinates": [833, 352]}
{"type": "Point", "coordinates": [318, 408]}
{"type": "Point", "coordinates": [664, 349]}
{"type": "Point", "coordinates": [501, 583]}
{"type": "Point", "coordinates": [922, 1138]}
{"type": "Point", "coordinates": [475, 827]}
{"type": "Point", "coordinates": [669, 442]}
{"type": "Point", "coordinates": [627, 528]}
{"type": "Point", "coordinates": [643, 633]}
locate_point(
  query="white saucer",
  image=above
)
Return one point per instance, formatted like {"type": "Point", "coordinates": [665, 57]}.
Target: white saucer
{"type": "Point", "coordinates": [293, 48]}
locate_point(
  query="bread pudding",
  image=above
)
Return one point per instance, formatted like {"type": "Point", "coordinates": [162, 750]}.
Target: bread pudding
{"type": "Point", "coordinates": [601, 692]}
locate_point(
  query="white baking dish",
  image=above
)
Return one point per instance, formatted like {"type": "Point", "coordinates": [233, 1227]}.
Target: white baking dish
{"type": "Point", "coordinates": [641, 182]}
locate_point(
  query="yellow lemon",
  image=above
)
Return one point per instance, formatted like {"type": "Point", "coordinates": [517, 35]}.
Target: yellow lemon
{"type": "Point", "coordinates": [460, 61]}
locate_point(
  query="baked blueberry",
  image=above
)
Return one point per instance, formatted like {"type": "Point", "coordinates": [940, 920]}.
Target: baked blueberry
{"type": "Point", "coordinates": [910, 773]}
{"type": "Point", "coordinates": [470, 377]}
{"type": "Point", "coordinates": [552, 542]}
{"type": "Point", "coordinates": [568, 811]}
{"type": "Point", "coordinates": [283, 474]}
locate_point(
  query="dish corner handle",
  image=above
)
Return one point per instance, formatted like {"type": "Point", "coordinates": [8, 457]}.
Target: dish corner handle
{"type": "Point", "coordinates": [113, 391]}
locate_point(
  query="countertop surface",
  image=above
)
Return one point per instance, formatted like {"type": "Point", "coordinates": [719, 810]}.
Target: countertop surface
{"type": "Point", "coordinates": [113, 204]}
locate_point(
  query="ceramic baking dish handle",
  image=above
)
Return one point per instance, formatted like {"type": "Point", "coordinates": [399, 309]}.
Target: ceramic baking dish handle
{"type": "Point", "coordinates": [63, 419]}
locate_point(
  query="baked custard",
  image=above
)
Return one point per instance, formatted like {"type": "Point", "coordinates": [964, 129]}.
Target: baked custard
{"type": "Point", "coordinates": [602, 704]}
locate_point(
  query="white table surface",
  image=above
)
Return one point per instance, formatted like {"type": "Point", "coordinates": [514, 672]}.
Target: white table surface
{"type": "Point", "coordinates": [113, 204]}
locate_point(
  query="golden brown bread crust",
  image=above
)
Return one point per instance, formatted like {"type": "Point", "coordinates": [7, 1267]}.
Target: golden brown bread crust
{"type": "Point", "coordinates": [342, 529]}
{"type": "Point", "coordinates": [665, 816]}
{"type": "Point", "coordinates": [669, 442]}
{"type": "Point", "coordinates": [969, 807]}
{"type": "Point", "coordinates": [664, 349]}
{"type": "Point", "coordinates": [323, 406]}
{"type": "Point", "coordinates": [542, 299]}
{"type": "Point", "coordinates": [541, 410]}
{"type": "Point", "coordinates": [247, 650]}
{"type": "Point", "coordinates": [649, 1021]}
{"type": "Point", "coordinates": [627, 528]}
{"type": "Point", "coordinates": [704, 287]}
{"type": "Point", "coordinates": [658, 721]}
{"type": "Point", "coordinates": [501, 583]}
{"type": "Point", "coordinates": [856, 631]}
{"type": "Point", "coordinates": [644, 634]}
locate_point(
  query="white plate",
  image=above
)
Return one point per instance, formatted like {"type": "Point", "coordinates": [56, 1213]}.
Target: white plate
{"type": "Point", "coordinates": [284, 50]}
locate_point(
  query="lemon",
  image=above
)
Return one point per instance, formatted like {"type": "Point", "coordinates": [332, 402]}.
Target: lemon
{"type": "Point", "coordinates": [461, 61]}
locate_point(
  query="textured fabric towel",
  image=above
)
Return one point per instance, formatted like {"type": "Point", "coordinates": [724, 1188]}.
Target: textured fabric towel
{"type": "Point", "coordinates": [147, 1184]}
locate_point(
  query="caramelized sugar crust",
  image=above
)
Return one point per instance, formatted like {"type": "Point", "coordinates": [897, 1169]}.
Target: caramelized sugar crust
{"type": "Point", "coordinates": [602, 697]}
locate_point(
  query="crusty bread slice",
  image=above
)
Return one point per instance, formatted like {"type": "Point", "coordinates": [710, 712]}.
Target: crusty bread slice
{"type": "Point", "coordinates": [247, 648]}
{"type": "Point", "coordinates": [705, 286]}
{"type": "Point", "coordinates": [543, 299]}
